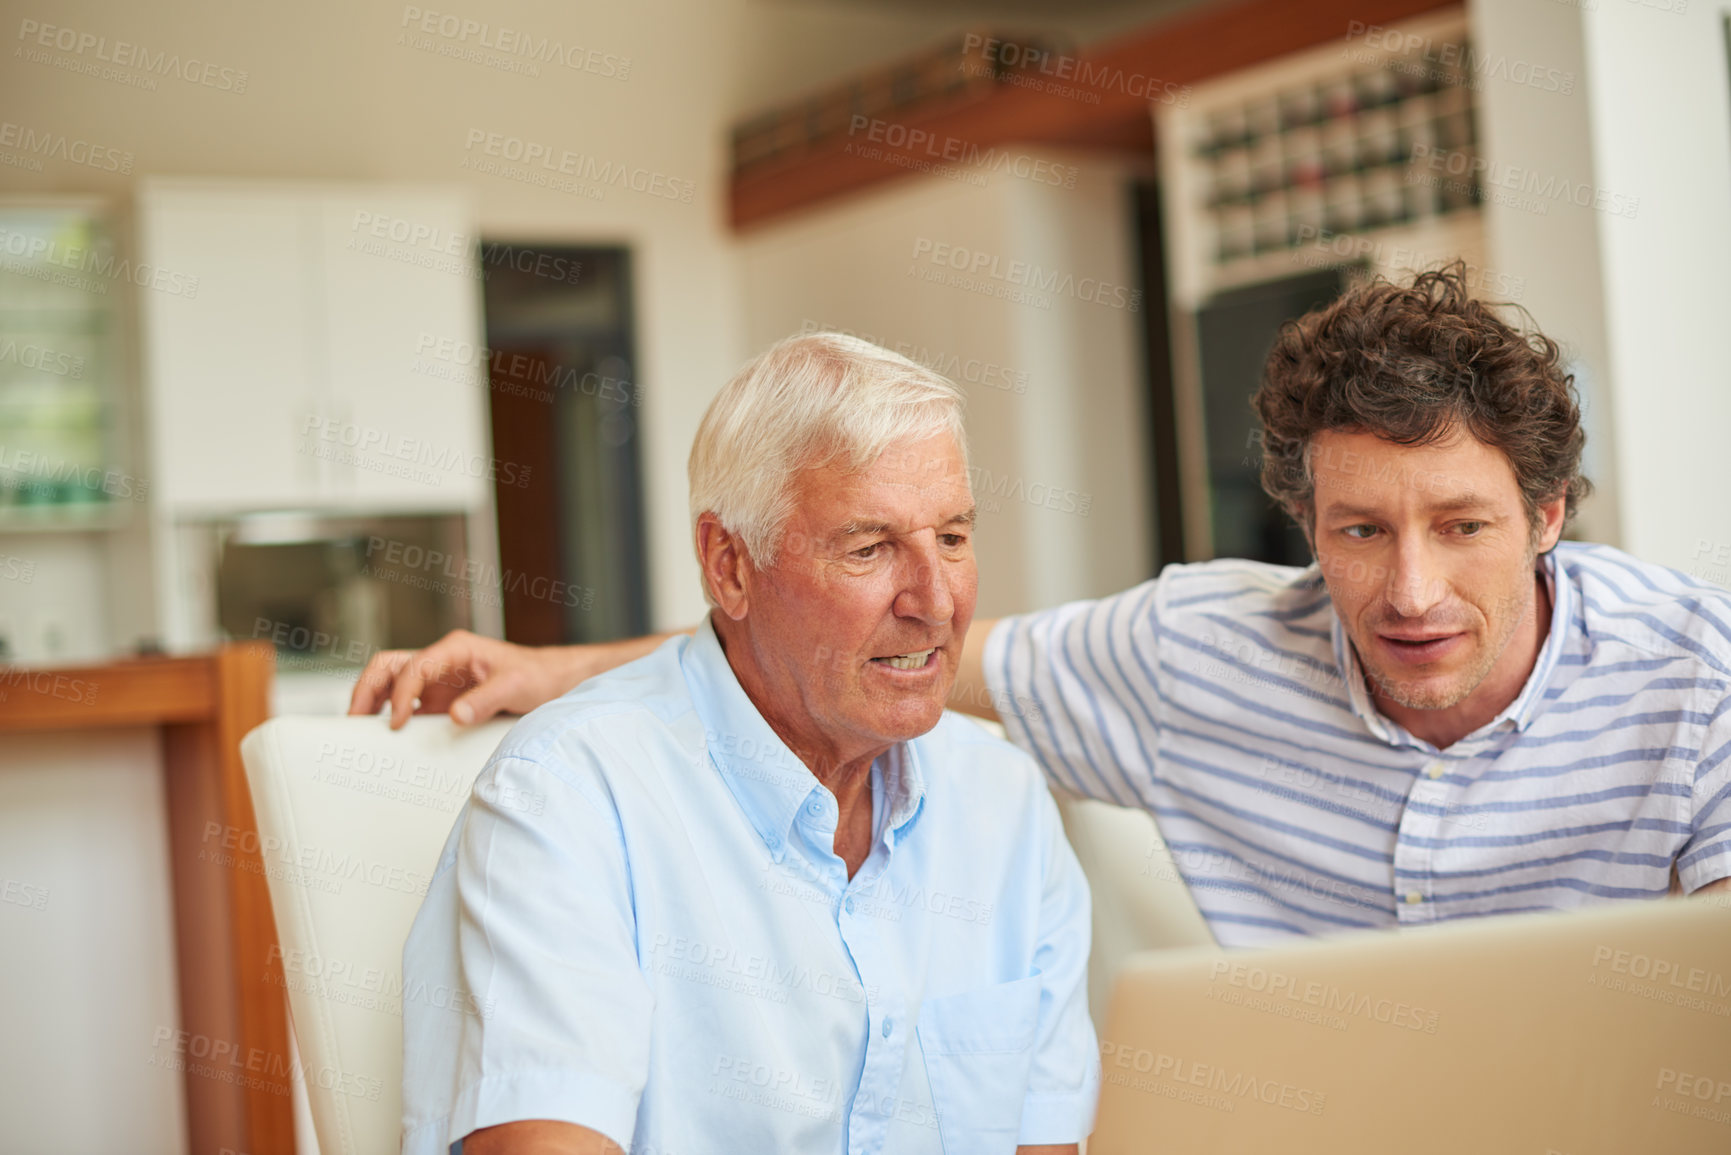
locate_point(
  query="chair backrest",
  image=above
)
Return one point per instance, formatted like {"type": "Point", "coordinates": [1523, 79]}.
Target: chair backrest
{"type": "Point", "coordinates": [1141, 903]}
{"type": "Point", "coordinates": [351, 818]}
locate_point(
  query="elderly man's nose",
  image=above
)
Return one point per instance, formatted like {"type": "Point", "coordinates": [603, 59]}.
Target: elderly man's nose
{"type": "Point", "coordinates": [925, 592]}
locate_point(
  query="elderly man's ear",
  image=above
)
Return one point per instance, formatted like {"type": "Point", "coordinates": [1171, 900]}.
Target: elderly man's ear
{"type": "Point", "coordinates": [726, 566]}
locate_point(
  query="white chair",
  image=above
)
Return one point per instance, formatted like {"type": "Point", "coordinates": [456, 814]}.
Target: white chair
{"type": "Point", "coordinates": [351, 819]}
{"type": "Point", "coordinates": [1140, 901]}
{"type": "Point", "coordinates": [352, 816]}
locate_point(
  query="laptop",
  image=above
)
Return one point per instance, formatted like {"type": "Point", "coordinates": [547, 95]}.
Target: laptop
{"type": "Point", "coordinates": [1597, 1032]}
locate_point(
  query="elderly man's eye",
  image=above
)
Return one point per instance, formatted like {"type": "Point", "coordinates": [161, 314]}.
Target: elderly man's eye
{"type": "Point", "coordinates": [1469, 528]}
{"type": "Point", "coordinates": [954, 540]}
{"type": "Point", "coordinates": [867, 552]}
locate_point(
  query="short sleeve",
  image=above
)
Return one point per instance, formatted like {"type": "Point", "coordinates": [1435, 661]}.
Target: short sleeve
{"type": "Point", "coordinates": [546, 945]}
{"type": "Point", "coordinates": [1064, 1081]}
{"type": "Point", "coordinates": [1706, 857]}
{"type": "Point", "coordinates": [1078, 688]}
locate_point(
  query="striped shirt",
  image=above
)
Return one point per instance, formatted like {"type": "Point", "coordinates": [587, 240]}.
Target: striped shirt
{"type": "Point", "coordinates": [1214, 697]}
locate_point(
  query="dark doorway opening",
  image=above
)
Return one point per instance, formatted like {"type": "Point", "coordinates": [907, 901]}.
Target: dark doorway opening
{"type": "Point", "coordinates": [1235, 330]}
{"type": "Point", "coordinates": [1162, 407]}
{"type": "Point", "coordinates": [565, 405]}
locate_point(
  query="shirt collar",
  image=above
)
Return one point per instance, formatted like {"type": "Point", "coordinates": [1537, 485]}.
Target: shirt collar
{"type": "Point", "coordinates": [904, 785]}
{"type": "Point", "coordinates": [767, 779]}
{"type": "Point", "coordinates": [1521, 711]}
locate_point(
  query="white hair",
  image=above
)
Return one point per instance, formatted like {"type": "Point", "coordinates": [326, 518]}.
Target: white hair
{"type": "Point", "coordinates": [803, 403]}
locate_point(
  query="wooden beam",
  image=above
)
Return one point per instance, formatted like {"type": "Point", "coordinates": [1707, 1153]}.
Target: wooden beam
{"type": "Point", "coordinates": [231, 982]}
{"type": "Point", "coordinates": [243, 674]}
{"type": "Point", "coordinates": [141, 692]}
{"type": "Point", "coordinates": [206, 975]}
{"type": "Point", "coordinates": [1109, 111]}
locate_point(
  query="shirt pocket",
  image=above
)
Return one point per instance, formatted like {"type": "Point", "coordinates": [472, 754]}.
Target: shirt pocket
{"type": "Point", "coordinates": [978, 1048]}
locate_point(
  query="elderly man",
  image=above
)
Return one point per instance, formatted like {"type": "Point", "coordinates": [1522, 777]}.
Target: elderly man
{"type": "Point", "coordinates": [1448, 715]}
{"type": "Point", "coordinates": [771, 898]}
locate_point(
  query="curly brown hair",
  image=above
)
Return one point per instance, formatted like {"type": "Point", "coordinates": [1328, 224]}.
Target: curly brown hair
{"type": "Point", "coordinates": [1411, 363]}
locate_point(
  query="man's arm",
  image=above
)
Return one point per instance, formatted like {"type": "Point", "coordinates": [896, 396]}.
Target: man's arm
{"type": "Point", "coordinates": [475, 677]}
{"type": "Point", "coordinates": [539, 1137]}
{"type": "Point", "coordinates": [547, 1137]}
{"type": "Point", "coordinates": [971, 694]}
{"type": "Point", "coordinates": [532, 917]}
{"type": "Point", "coordinates": [1703, 864]}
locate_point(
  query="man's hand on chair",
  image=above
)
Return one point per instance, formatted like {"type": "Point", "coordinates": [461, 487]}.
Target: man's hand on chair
{"type": "Point", "coordinates": [471, 676]}
{"type": "Point", "coordinates": [475, 677]}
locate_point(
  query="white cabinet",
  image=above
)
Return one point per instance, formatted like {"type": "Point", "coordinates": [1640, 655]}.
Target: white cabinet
{"type": "Point", "coordinates": [229, 364]}
{"type": "Point", "coordinates": [401, 278]}
{"type": "Point", "coordinates": [295, 377]}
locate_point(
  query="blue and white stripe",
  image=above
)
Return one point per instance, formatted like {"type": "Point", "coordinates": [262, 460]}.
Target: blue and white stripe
{"type": "Point", "coordinates": [1214, 696]}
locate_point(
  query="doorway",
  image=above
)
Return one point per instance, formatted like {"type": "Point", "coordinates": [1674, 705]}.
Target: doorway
{"type": "Point", "coordinates": [565, 402]}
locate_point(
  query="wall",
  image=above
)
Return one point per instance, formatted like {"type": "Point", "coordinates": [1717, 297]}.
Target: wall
{"type": "Point", "coordinates": [1661, 119]}
{"type": "Point", "coordinates": [53, 606]}
{"type": "Point", "coordinates": [1627, 267]}
{"type": "Point", "coordinates": [1053, 382]}
{"type": "Point", "coordinates": [1548, 248]}
{"type": "Point", "coordinates": [87, 964]}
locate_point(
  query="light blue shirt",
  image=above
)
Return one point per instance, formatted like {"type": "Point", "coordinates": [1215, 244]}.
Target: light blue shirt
{"type": "Point", "coordinates": [643, 897]}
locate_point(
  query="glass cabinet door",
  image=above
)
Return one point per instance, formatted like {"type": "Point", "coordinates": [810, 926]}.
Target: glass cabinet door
{"type": "Point", "coordinates": [60, 280]}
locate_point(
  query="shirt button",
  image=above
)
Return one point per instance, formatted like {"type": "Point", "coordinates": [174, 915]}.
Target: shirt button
{"type": "Point", "coordinates": [1413, 898]}
{"type": "Point", "coordinates": [1436, 770]}
{"type": "Point", "coordinates": [848, 906]}
{"type": "Point", "coordinates": [889, 1025]}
